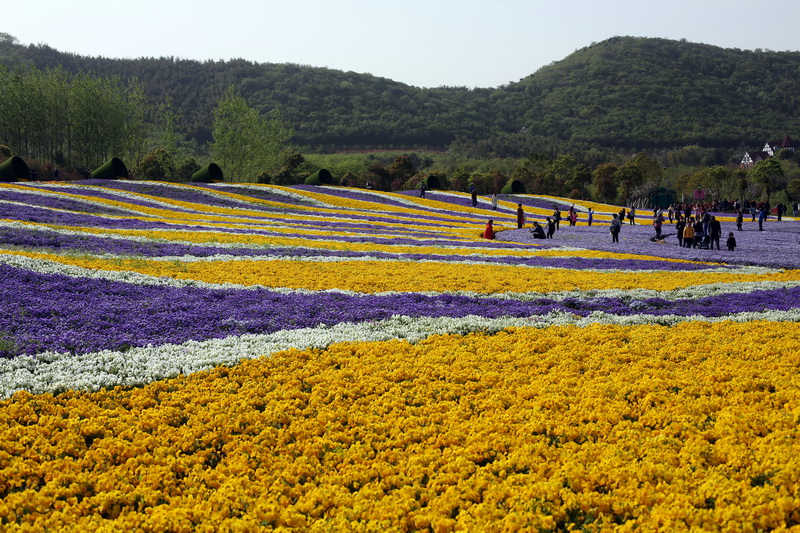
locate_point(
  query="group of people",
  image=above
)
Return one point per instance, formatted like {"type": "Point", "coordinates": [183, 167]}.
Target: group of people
{"type": "Point", "coordinates": [694, 228]}
{"type": "Point", "coordinates": [538, 231]}
{"type": "Point", "coordinates": [702, 230]}
{"type": "Point", "coordinates": [489, 233]}
{"type": "Point", "coordinates": [553, 222]}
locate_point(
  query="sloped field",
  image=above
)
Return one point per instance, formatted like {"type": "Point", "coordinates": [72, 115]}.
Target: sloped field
{"type": "Point", "coordinates": [247, 357]}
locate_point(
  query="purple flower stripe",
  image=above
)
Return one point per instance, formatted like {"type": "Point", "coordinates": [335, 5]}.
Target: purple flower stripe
{"type": "Point", "coordinates": [37, 213]}
{"type": "Point", "coordinates": [43, 312]}
{"type": "Point", "coordinates": [51, 241]}
{"type": "Point", "coordinates": [259, 193]}
{"type": "Point", "coordinates": [435, 214]}
{"type": "Point", "coordinates": [188, 194]}
{"type": "Point", "coordinates": [278, 217]}
{"type": "Point", "coordinates": [351, 194]}
{"type": "Point", "coordinates": [56, 202]}
{"type": "Point", "coordinates": [466, 201]}
{"type": "Point", "coordinates": [776, 247]}
{"type": "Point", "coordinates": [193, 197]}
{"type": "Point", "coordinates": [434, 219]}
{"type": "Point", "coordinates": [91, 194]}
{"type": "Point", "coordinates": [45, 216]}
{"type": "Point", "coordinates": [40, 215]}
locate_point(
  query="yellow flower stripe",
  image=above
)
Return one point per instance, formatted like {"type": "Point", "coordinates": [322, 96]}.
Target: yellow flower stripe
{"type": "Point", "coordinates": [657, 428]}
{"type": "Point", "coordinates": [382, 276]}
{"type": "Point", "coordinates": [380, 207]}
{"type": "Point", "coordinates": [212, 237]}
{"type": "Point", "coordinates": [425, 202]}
{"type": "Point", "coordinates": [605, 211]}
{"type": "Point", "coordinates": [213, 213]}
{"type": "Point", "coordinates": [159, 213]}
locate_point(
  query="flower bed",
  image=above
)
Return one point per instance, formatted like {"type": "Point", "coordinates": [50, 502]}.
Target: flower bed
{"type": "Point", "coordinates": [333, 359]}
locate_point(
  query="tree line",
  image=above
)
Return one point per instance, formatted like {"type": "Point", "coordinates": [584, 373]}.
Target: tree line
{"type": "Point", "coordinates": [77, 122]}
{"type": "Point", "coordinates": [80, 120]}
{"type": "Point", "coordinates": [623, 94]}
{"type": "Point", "coordinates": [53, 116]}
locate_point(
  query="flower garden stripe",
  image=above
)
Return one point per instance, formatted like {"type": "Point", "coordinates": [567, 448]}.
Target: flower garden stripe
{"type": "Point", "coordinates": [254, 357]}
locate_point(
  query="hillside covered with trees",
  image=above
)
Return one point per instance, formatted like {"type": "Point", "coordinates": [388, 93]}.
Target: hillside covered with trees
{"type": "Point", "coordinates": [624, 93]}
{"type": "Point", "coordinates": [614, 122]}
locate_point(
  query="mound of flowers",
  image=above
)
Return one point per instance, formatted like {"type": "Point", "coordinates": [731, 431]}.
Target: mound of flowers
{"type": "Point", "coordinates": [250, 357]}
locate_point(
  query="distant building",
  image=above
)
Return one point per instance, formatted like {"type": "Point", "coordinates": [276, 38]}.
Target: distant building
{"type": "Point", "coordinates": [785, 144]}
{"type": "Point", "coordinates": [749, 159]}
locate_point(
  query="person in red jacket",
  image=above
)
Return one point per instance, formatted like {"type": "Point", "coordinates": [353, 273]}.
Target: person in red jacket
{"type": "Point", "coordinates": [488, 233]}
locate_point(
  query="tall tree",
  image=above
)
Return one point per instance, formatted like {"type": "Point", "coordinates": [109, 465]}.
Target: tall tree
{"type": "Point", "coordinates": [98, 110]}
{"type": "Point", "coordinates": [769, 174]}
{"type": "Point", "coordinates": [604, 183]}
{"type": "Point", "coordinates": [716, 179]}
{"type": "Point", "coordinates": [245, 143]}
{"type": "Point", "coordinates": [136, 125]}
{"type": "Point", "coordinates": [169, 133]}
{"type": "Point", "coordinates": [534, 172]}
{"type": "Point", "coordinates": [628, 177]}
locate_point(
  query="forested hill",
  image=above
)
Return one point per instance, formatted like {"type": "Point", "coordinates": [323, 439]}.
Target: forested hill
{"type": "Point", "coordinates": [655, 92]}
{"type": "Point", "coordinates": [622, 93]}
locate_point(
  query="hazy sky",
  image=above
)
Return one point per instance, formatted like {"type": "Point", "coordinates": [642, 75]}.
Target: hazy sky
{"type": "Point", "coordinates": [473, 43]}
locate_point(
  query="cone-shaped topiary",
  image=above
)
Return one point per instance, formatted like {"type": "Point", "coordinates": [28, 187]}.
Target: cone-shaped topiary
{"type": "Point", "coordinates": [207, 174]}
{"type": "Point", "coordinates": [432, 182]}
{"type": "Point", "coordinates": [110, 170]}
{"type": "Point", "coordinates": [14, 169]}
{"type": "Point", "coordinates": [320, 177]}
{"type": "Point", "coordinates": [513, 187]}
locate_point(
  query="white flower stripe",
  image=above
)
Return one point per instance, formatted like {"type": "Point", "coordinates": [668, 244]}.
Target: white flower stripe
{"type": "Point", "coordinates": [45, 266]}
{"type": "Point", "coordinates": [54, 372]}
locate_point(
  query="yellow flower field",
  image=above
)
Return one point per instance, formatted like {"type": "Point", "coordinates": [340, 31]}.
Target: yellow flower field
{"type": "Point", "coordinates": [203, 358]}
{"type": "Point", "coordinates": [647, 428]}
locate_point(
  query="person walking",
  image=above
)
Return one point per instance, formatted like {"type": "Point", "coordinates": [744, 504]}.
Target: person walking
{"type": "Point", "coordinates": [615, 227]}
{"type": "Point", "coordinates": [589, 216]}
{"type": "Point", "coordinates": [658, 222]}
{"type": "Point", "coordinates": [731, 242]}
{"type": "Point", "coordinates": [679, 227]}
{"type": "Point", "coordinates": [688, 234]}
{"type": "Point", "coordinates": [714, 231]}
{"type": "Point", "coordinates": [699, 234]}
{"type": "Point", "coordinates": [739, 220]}
{"type": "Point", "coordinates": [520, 216]}
{"type": "Point", "coordinates": [494, 201]}
{"type": "Point", "coordinates": [762, 216]}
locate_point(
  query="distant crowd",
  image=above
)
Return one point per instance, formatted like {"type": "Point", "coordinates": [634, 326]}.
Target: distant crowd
{"type": "Point", "coordinates": [695, 225]}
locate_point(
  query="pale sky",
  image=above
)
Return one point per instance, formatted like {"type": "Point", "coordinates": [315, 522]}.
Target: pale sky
{"type": "Point", "coordinates": [426, 43]}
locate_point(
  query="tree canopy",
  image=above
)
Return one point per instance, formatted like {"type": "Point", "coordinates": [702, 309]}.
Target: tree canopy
{"type": "Point", "coordinates": [624, 93]}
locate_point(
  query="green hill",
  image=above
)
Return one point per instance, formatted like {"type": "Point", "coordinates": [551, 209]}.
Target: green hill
{"type": "Point", "coordinates": [624, 93]}
{"type": "Point", "coordinates": [649, 93]}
